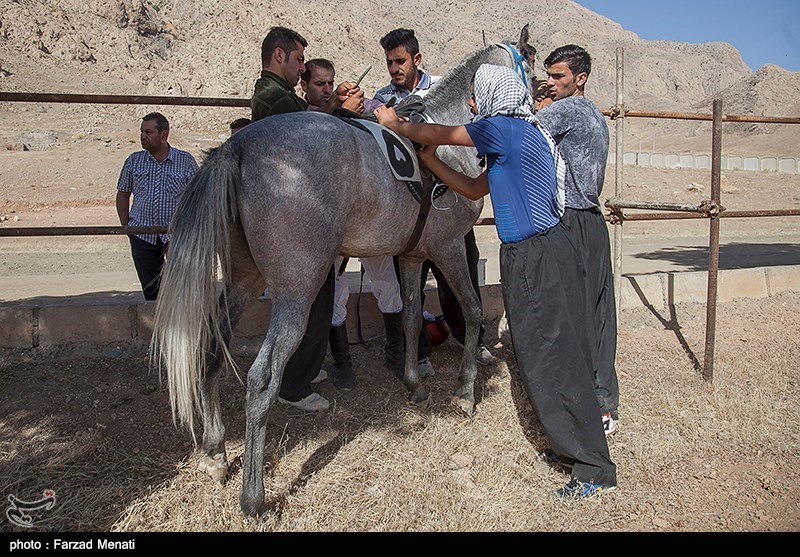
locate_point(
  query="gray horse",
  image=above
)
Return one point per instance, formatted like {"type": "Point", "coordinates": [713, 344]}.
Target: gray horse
{"type": "Point", "coordinates": [277, 203]}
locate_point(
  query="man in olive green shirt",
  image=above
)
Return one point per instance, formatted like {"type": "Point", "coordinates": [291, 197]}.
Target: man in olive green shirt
{"type": "Point", "coordinates": [282, 62]}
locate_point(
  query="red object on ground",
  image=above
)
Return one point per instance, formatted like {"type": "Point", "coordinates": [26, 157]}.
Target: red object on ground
{"type": "Point", "coordinates": [438, 331]}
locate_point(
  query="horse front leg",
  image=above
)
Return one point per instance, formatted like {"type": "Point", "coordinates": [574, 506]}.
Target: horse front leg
{"type": "Point", "coordinates": [410, 270]}
{"type": "Point", "coordinates": [287, 325]}
{"type": "Point", "coordinates": [453, 265]}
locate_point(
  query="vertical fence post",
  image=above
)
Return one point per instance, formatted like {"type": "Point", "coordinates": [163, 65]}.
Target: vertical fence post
{"type": "Point", "coordinates": [620, 147]}
{"type": "Point", "coordinates": [713, 242]}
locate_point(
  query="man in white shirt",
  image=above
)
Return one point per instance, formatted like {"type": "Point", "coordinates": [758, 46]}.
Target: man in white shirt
{"type": "Point", "coordinates": [403, 60]}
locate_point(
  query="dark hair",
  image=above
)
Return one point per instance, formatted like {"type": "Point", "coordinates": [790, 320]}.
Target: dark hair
{"type": "Point", "coordinates": [401, 37]}
{"type": "Point", "coordinates": [240, 123]}
{"type": "Point", "coordinates": [280, 37]}
{"type": "Point", "coordinates": [162, 123]}
{"type": "Point", "coordinates": [575, 57]}
{"type": "Point", "coordinates": [316, 63]}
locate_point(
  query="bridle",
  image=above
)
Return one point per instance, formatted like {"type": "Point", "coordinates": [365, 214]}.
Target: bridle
{"type": "Point", "coordinates": [519, 63]}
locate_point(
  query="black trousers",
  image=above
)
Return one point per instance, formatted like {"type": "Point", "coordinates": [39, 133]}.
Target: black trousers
{"type": "Point", "coordinates": [424, 347]}
{"type": "Point", "coordinates": [544, 295]}
{"type": "Point", "coordinates": [451, 309]}
{"type": "Point", "coordinates": [305, 363]}
{"type": "Point", "coordinates": [149, 260]}
{"type": "Point", "coordinates": [588, 230]}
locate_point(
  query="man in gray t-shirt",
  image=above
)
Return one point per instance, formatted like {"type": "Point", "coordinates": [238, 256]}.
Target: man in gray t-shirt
{"type": "Point", "coordinates": [582, 137]}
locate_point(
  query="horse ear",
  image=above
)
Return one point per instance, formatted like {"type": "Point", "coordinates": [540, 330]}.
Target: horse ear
{"type": "Point", "coordinates": [524, 35]}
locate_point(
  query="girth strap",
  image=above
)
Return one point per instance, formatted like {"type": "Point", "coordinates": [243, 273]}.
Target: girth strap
{"type": "Point", "coordinates": [427, 187]}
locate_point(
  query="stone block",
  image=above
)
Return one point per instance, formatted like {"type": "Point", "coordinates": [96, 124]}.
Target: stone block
{"type": "Point", "coordinates": [783, 279]}
{"type": "Point", "coordinates": [642, 291]}
{"type": "Point", "coordinates": [94, 324]}
{"type": "Point", "coordinates": [686, 287]}
{"type": "Point", "coordinates": [145, 314]}
{"type": "Point", "coordinates": [733, 163]}
{"type": "Point", "coordinates": [702, 162]}
{"type": "Point", "coordinates": [742, 283]}
{"type": "Point", "coordinates": [657, 160]}
{"type": "Point", "coordinates": [769, 164]}
{"type": "Point", "coordinates": [788, 166]}
{"type": "Point", "coordinates": [16, 327]}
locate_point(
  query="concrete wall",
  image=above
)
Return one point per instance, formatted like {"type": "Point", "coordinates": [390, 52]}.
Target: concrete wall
{"type": "Point", "coordinates": [703, 162]}
{"type": "Point", "coordinates": [32, 327]}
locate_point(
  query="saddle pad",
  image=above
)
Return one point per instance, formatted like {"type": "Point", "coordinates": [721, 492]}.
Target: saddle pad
{"type": "Point", "coordinates": [399, 152]}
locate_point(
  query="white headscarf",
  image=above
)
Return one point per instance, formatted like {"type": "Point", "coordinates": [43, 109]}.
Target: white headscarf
{"type": "Point", "coordinates": [500, 92]}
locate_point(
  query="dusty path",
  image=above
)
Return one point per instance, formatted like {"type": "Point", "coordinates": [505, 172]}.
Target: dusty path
{"type": "Point", "coordinates": [84, 265]}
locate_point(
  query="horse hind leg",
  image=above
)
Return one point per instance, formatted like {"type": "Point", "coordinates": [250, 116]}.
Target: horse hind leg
{"type": "Point", "coordinates": [410, 270]}
{"type": "Point", "coordinates": [453, 265]}
{"type": "Point", "coordinates": [286, 329]}
{"type": "Point", "coordinates": [245, 284]}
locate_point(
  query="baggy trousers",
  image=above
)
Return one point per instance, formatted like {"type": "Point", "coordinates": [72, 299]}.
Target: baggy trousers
{"type": "Point", "coordinates": [544, 295]}
{"type": "Point", "coordinates": [588, 230]}
{"type": "Point", "coordinates": [305, 363]}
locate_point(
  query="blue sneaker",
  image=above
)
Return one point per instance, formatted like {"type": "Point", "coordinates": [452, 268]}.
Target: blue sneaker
{"type": "Point", "coordinates": [576, 489]}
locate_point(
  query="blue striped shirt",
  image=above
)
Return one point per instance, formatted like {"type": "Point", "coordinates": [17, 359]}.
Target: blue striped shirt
{"type": "Point", "coordinates": [156, 187]}
{"type": "Point", "coordinates": [522, 177]}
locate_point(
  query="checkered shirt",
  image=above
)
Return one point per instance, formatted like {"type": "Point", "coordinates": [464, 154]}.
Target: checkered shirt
{"type": "Point", "coordinates": [156, 188]}
{"type": "Point", "coordinates": [385, 94]}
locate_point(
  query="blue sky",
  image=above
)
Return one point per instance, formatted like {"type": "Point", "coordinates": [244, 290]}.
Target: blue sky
{"type": "Point", "coordinates": [764, 31]}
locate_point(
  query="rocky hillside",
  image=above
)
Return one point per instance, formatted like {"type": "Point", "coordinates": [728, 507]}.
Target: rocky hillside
{"type": "Point", "coordinates": [211, 48]}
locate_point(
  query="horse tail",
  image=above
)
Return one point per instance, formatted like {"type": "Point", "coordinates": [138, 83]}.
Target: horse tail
{"type": "Point", "coordinates": [188, 318]}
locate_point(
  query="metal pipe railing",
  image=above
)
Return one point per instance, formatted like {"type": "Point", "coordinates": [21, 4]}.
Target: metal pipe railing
{"type": "Point", "coordinates": [713, 243]}
{"type": "Point", "coordinates": [708, 209]}
{"type": "Point", "coordinates": [618, 179]}
{"type": "Point", "coordinates": [123, 99]}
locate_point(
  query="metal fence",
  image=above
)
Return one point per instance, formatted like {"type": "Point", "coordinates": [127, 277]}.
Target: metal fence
{"type": "Point", "coordinates": [711, 209]}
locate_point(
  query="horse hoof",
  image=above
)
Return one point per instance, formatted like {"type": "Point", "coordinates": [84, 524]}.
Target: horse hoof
{"type": "Point", "coordinates": [251, 507]}
{"type": "Point", "coordinates": [466, 406]}
{"type": "Point", "coordinates": [217, 468]}
{"type": "Point", "coordinates": [420, 398]}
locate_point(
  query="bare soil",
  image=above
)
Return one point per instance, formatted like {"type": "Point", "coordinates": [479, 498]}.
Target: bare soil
{"type": "Point", "coordinates": [691, 456]}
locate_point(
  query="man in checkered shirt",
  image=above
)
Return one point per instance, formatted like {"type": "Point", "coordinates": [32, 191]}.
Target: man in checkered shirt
{"type": "Point", "coordinates": [155, 177]}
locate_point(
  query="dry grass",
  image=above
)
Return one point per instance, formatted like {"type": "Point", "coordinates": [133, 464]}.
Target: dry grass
{"type": "Point", "coordinates": [690, 456]}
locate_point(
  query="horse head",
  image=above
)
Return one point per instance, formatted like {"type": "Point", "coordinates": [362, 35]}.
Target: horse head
{"type": "Point", "coordinates": [524, 55]}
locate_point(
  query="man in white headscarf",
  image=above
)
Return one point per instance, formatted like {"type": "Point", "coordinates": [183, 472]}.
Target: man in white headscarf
{"type": "Point", "coordinates": [541, 272]}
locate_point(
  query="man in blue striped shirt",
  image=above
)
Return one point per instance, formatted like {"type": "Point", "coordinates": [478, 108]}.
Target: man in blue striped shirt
{"type": "Point", "coordinates": [540, 270]}
{"type": "Point", "coordinates": [155, 177]}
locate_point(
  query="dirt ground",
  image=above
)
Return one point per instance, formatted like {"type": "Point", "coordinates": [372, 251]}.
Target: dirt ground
{"type": "Point", "coordinates": [691, 456]}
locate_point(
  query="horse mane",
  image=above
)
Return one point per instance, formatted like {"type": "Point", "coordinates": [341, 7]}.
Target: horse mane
{"type": "Point", "coordinates": [452, 90]}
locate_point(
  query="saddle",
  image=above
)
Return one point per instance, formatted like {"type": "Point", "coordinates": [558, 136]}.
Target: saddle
{"type": "Point", "coordinates": [401, 156]}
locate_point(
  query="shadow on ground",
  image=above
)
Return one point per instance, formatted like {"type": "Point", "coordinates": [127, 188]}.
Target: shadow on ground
{"type": "Point", "coordinates": [731, 256]}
